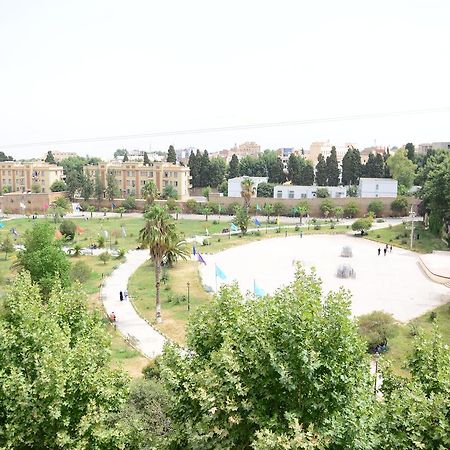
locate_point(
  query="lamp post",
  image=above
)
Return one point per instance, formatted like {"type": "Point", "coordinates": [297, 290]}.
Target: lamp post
{"type": "Point", "coordinates": [412, 214]}
{"type": "Point", "coordinates": [377, 357]}
{"type": "Point", "coordinates": [188, 296]}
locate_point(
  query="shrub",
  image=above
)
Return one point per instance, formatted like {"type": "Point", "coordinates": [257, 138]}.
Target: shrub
{"type": "Point", "coordinates": [376, 328]}
{"type": "Point", "coordinates": [399, 206]}
{"type": "Point", "coordinates": [265, 190]}
{"type": "Point", "coordinates": [121, 253]}
{"type": "Point", "coordinates": [327, 208]}
{"type": "Point", "coordinates": [317, 226]}
{"type": "Point", "coordinates": [129, 203]}
{"type": "Point", "coordinates": [352, 191]}
{"type": "Point", "coordinates": [68, 229]}
{"type": "Point", "coordinates": [351, 209]}
{"type": "Point", "coordinates": [232, 208]}
{"type": "Point", "coordinates": [213, 207]}
{"type": "Point", "coordinates": [322, 193]}
{"type": "Point", "coordinates": [375, 207]}
{"type": "Point", "coordinates": [362, 225]}
{"type": "Point", "coordinates": [80, 271]}
{"type": "Point", "coordinates": [191, 206]}
{"type": "Point", "coordinates": [171, 204]}
{"type": "Point", "coordinates": [104, 257]}
{"type": "Point", "coordinates": [101, 241]}
{"type": "Point", "coordinates": [58, 186]}
{"type": "Point", "coordinates": [278, 209]}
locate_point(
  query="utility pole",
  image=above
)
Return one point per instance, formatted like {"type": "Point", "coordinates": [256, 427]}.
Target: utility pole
{"type": "Point", "coordinates": [412, 214]}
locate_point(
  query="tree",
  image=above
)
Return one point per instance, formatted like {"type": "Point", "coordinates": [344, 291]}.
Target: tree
{"type": "Point", "coordinates": [265, 190]}
{"type": "Point", "coordinates": [233, 168]}
{"type": "Point", "coordinates": [275, 171]}
{"type": "Point", "coordinates": [7, 246]}
{"type": "Point", "coordinates": [307, 174]}
{"type": "Point", "coordinates": [400, 206]}
{"type": "Point", "coordinates": [205, 167]}
{"type": "Point", "coordinates": [44, 259]}
{"type": "Point", "coordinates": [351, 167]}
{"type": "Point", "coordinates": [120, 211]}
{"type": "Point", "coordinates": [242, 219]}
{"type": "Point", "coordinates": [332, 168]}
{"type": "Point", "coordinates": [268, 210]}
{"type": "Point", "coordinates": [3, 157]}
{"type": "Point", "coordinates": [160, 235]}
{"type": "Point", "coordinates": [149, 191]}
{"type": "Point", "coordinates": [247, 191]}
{"type": "Point", "coordinates": [378, 167]}
{"type": "Point", "coordinates": [294, 169]}
{"type": "Point", "coordinates": [120, 152]}
{"type": "Point", "coordinates": [50, 159]}
{"type": "Point", "coordinates": [171, 155]}
{"type": "Point", "coordinates": [146, 160]}
{"type": "Point", "coordinates": [169, 191]}
{"type": "Point", "coordinates": [87, 187]}
{"type": "Point", "coordinates": [303, 210]}
{"type": "Point", "coordinates": [375, 207]}
{"type": "Point", "coordinates": [80, 272]}
{"type": "Point", "coordinates": [217, 171]}
{"type": "Point", "coordinates": [68, 229]}
{"type": "Point", "coordinates": [58, 390]}
{"type": "Point", "coordinates": [104, 257]}
{"type": "Point", "coordinates": [260, 364]}
{"type": "Point", "coordinates": [205, 192]}
{"type": "Point", "coordinates": [376, 328]}
{"type": "Point", "coordinates": [194, 167]}
{"type": "Point", "coordinates": [352, 191]}
{"type": "Point", "coordinates": [99, 188]}
{"type": "Point", "coordinates": [338, 212]}
{"type": "Point", "coordinates": [251, 166]}
{"type": "Point", "coordinates": [401, 168]}
{"type": "Point", "coordinates": [321, 171]}
{"type": "Point", "coordinates": [363, 225]}
{"type": "Point", "coordinates": [327, 207]}
{"type": "Point", "coordinates": [322, 193]}
{"type": "Point", "coordinates": [125, 157]}
{"type": "Point", "coordinates": [91, 209]}
{"type": "Point", "coordinates": [129, 203]}
{"type": "Point", "coordinates": [36, 188]}
{"type": "Point", "coordinates": [58, 186]}
{"type": "Point", "coordinates": [410, 152]}
{"type": "Point", "coordinates": [73, 183]}
{"type": "Point", "coordinates": [112, 186]}
{"type": "Point", "coordinates": [351, 209]}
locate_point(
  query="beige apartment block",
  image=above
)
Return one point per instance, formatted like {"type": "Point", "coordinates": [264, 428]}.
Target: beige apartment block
{"type": "Point", "coordinates": [131, 176]}
{"type": "Point", "coordinates": [325, 147]}
{"type": "Point", "coordinates": [20, 177]}
{"type": "Point", "coordinates": [245, 149]}
{"type": "Point", "coordinates": [59, 156]}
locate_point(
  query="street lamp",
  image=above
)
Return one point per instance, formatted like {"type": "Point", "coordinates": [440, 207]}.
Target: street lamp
{"type": "Point", "coordinates": [188, 296]}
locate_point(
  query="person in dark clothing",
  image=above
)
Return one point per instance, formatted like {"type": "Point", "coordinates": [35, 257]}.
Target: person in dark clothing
{"type": "Point", "coordinates": [121, 296]}
{"type": "Point", "coordinates": [379, 251]}
{"type": "Point", "coordinates": [385, 250]}
{"type": "Point", "coordinates": [390, 250]}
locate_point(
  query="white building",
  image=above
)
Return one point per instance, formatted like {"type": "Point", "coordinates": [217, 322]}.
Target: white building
{"type": "Point", "coordinates": [377, 187]}
{"type": "Point", "coordinates": [304, 192]}
{"type": "Point", "coordinates": [234, 185]}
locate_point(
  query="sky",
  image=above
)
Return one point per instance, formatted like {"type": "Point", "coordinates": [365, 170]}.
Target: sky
{"type": "Point", "coordinates": [86, 69]}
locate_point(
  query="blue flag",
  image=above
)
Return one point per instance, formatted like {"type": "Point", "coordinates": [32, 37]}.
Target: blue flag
{"type": "Point", "coordinates": [233, 227]}
{"type": "Point", "coordinates": [2, 225]}
{"type": "Point", "coordinates": [220, 273]}
{"type": "Point", "coordinates": [257, 290]}
{"type": "Point", "coordinates": [200, 259]}
{"type": "Point", "coordinates": [257, 222]}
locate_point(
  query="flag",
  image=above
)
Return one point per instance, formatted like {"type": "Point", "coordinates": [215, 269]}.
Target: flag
{"type": "Point", "coordinates": [22, 205]}
{"type": "Point", "coordinates": [258, 208]}
{"type": "Point", "coordinates": [206, 232]}
{"type": "Point", "coordinates": [105, 233]}
{"type": "Point", "coordinates": [194, 250]}
{"type": "Point", "coordinates": [233, 227]}
{"type": "Point", "coordinates": [2, 225]}
{"type": "Point", "coordinates": [257, 290]}
{"type": "Point", "coordinates": [200, 259]}
{"type": "Point", "coordinates": [257, 222]}
{"type": "Point", "coordinates": [220, 273]}
{"type": "Point", "coordinates": [124, 232]}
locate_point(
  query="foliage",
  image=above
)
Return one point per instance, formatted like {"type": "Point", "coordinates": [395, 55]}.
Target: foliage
{"type": "Point", "coordinates": [322, 193]}
{"type": "Point", "coordinates": [327, 207]}
{"type": "Point", "coordinates": [223, 188]}
{"type": "Point", "coordinates": [375, 207]}
{"type": "Point", "coordinates": [401, 168]}
{"type": "Point", "coordinates": [43, 258]}
{"type": "Point", "coordinates": [149, 191]}
{"type": "Point", "coordinates": [338, 212]}
{"type": "Point", "coordinates": [99, 187]}
{"type": "Point", "coordinates": [104, 257]}
{"type": "Point", "coordinates": [268, 210]}
{"type": "Point", "coordinates": [112, 186]}
{"type": "Point", "coordinates": [169, 191]}
{"type": "Point", "coordinates": [36, 188]}
{"type": "Point", "coordinates": [120, 152]}
{"type": "Point", "coordinates": [56, 388]}
{"type": "Point", "coordinates": [7, 246]}
{"type": "Point", "coordinates": [87, 187]}
{"type": "Point", "coordinates": [247, 191]}
{"type": "Point", "coordinates": [351, 167]}
{"type": "Point", "coordinates": [352, 191]}
{"type": "Point", "coordinates": [129, 203]}
{"type": "Point", "coordinates": [80, 272]}
{"type": "Point", "coordinates": [400, 206]}
{"type": "Point", "coordinates": [233, 168]}
{"type": "Point", "coordinates": [73, 183]}
{"type": "Point", "coordinates": [376, 328]}
{"type": "Point", "coordinates": [333, 171]}
{"type": "Point", "coordinates": [171, 155]}
{"type": "Point", "coordinates": [303, 209]}
{"type": "Point", "coordinates": [68, 229]}
{"type": "Point", "coordinates": [374, 167]}
{"type": "Point", "coordinates": [265, 190]}
{"type": "Point", "coordinates": [351, 209]}
{"type": "Point", "coordinates": [58, 186]}
{"type": "Point", "coordinates": [321, 171]}
{"type": "Point", "coordinates": [217, 171]}
{"type": "Point", "coordinates": [259, 366]}
{"type": "Point", "coordinates": [191, 205]}
{"type": "Point", "coordinates": [4, 157]}
{"type": "Point", "coordinates": [242, 219]}
{"type": "Point", "coordinates": [120, 210]}
{"type": "Point", "coordinates": [50, 158]}
{"type": "Point", "coordinates": [206, 191]}
{"type": "Point", "coordinates": [363, 224]}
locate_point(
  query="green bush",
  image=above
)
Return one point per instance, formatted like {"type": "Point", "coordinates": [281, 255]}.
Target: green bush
{"type": "Point", "coordinates": [351, 209]}
{"type": "Point", "coordinates": [68, 229]}
{"type": "Point", "coordinates": [399, 206]}
{"type": "Point", "coordinates": [80, 271]}
{"type": "Point", "coordinates": [191, 206]}
{"type": "Point", "coordinates": [376, 328]}
{"type": "Point", "coordinates": [362, 225]}
{"type": "Point", "coordinates": [129, 203]}
{"type": "Point", "coordinates": [322, 193]}
{"type": "Point", "coordinates": [104, 257]}
{"type": "Point", "coordinates": [375, 207]}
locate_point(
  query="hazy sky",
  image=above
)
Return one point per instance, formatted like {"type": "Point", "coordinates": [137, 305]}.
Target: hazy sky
{"type": "Point", "coordinates": [91, 68]}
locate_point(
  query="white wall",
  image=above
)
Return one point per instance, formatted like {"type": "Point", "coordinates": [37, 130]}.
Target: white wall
{"type": "Point", "coordinates": [305, 192]}
{"type": "Point", "coordinates": [234, 185]}
{"type": "Point", "coordinates": [377, 187]}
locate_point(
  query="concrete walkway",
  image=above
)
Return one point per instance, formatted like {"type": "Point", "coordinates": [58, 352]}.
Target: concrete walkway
{"type": "Point", "coordinates": [135, 329]}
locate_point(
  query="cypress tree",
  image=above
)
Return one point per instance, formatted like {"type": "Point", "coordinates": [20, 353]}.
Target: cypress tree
{"type": "Point", "coordinates": [171, 155]}
{"type": "Point", "coordinates": [321, 171]}
{"type": "Point", "coordinates": [294, 169]}
{"type": "Point", "coordinates": [275, 171]}
{"type": "Point", "coordinates": [410, 151]}
{"type": "Point", "coordinates": [205, 166]}
{"type": "Point", "coordinates": [307, 174]}
{"type": "Point", "coordinates": [50, 158]}
{"type": "Point", "coordinates": [332, 168]}
{"type": "Point", "coordinates": [233, 168]}
{"type": "Point", "coordinates": [146, 160]}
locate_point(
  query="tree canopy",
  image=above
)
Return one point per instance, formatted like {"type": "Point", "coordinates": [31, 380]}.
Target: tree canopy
{"type": "Point", "coordinates": [402, 168]}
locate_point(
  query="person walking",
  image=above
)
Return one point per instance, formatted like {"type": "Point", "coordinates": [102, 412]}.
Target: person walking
{"type": "Point", "coordinates": [379, 251]}
{"type": "Point", "coordinates": [390, 250]}
{"type": "Point", "coordinates": [301, 234]}
{"type": "Point", "coordinates": [121, 296]}
{"type": "Point", "coordinates": [125, 295]}
{"type": "Point", "coordinates": [385, 250]}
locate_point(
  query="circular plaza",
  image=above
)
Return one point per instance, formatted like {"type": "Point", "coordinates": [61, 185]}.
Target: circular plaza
{"type": "Point", "coordinates": [392, 282]}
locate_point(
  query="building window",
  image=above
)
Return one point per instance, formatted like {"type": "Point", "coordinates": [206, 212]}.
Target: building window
{"type": "Point", "coordinates": [279, 194]}
{"type": "Point", "coordinates": [303, 195]}
{"type": "Point", "coordinates": [291, 194]}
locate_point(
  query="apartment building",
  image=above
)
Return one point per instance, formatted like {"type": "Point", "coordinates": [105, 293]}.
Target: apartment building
{"type": "Point", "coordinates": [59, 156]}
{"type": "Point", "coordinates": [325, 147]}
{"type": "Point", "coordinates": [245, 149]}
{"type": "Point", "coordinates": [20, 177]}
{"type": "Point", "coordinates": [131, 176]}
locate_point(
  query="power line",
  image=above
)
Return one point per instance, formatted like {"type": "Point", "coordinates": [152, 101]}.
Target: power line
{"type": "Point", "coordinates": [231, 128]}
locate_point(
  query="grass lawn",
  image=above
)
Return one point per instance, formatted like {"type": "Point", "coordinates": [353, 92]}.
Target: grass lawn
{"type": "Point", "coordinates": [400, 345]}
{"type": "Point", "coordinates": [399, 236]}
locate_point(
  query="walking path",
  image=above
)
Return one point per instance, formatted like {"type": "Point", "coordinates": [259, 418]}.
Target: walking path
{"type": "Point", "coordinates": [135, 329]}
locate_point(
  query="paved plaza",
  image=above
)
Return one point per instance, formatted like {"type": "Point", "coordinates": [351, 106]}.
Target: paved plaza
{"type": "Point", "coordinates": [393, 283]}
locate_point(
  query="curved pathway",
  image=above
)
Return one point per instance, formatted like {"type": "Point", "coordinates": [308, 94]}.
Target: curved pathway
{"type": "Point", "coordinates": [135, 329]}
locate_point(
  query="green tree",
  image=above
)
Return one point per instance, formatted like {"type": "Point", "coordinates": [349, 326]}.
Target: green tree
{"type": "Point", "coordinates": [112, 186]}
{"type": "Point", "coordinates": [321, 171]}
{"type": "Point", "coordinates": [332, 168]}
{"type": "Point", "coordinates": [194, 167]}
{"type": "Point", "coordinates": [149, 191]}
{"type": "Point", "coordinates": [44, 259]}
{"type": "Point", "coordinates": [171, 155]}
{"type": "Point", "coordinates": [80, 272]}
{"type": "Point", "coordinates": [265, 190]}
{"type": "Point", "coordinates": [87, 187]}
{"type": "Point", "coordinates": [205, 168]}
{"type": "Point", "coordinates": [401, 168]}
{"type": "Point", "coordinates": [125, 157]}
{"type": "Point", "coordinates": [4, 157]}
{"type": "Point", "coordinates": [351, 209]}
{"type": "Point", "coordinates": [376, 328]}
{"type": "Point", "coordinates": [56, 386]}
{"type": "Point", "coordinates": [363, 225]}
{"type": "Point", "coordinates": [120, 211]}
{"type": "Point", "coordinates": [263, 364]}
{"type": "Point", "coordinates": [375, 207]}
{"type": "Point", "coordinates": [120, 153]}
{"type": "Point", "coordinates": [275, 171]}
{"type": "Point", "coordinates": [327, 207]}
{"type": "Point", "coordinates": [129, 203]}
{"type": "Point", "coordinates": [7, 246]}
{"type": "Point", "coordinates": [307, 174]}
{"type": "Point", "coordinates": [268, 210]}
{"type": "Point", "coordinates": [146, 160]}
{"type": "Point", "coordinates": [160, 235]}
{"type": "Point", "coordinates": [169, 191]}
{"type": "Point", "coordinates": [50, 158]}
{"type": "Point", "coordinates": [58, 186]}
{"type": "Point", "coordinates": [233, 168]}
{"type": "Point", "coordinates": [351, 167]}
{"type": "Point", "coordinates": [410, 151]}
{"type": "Point", "coordinates": [218, 169]}
{"type": "Point", "coordinates": [104, 257]}
{"type": "Point", "coordinates": [242, 218]}
{"type": "Point", "coordinates": [36, 188]}
{"type": "Point", "coordinates": [73, 183]}
{"type": "Point", "coordinates": [247, 191]}
{"type": "Point", "coordinates": [294, 169]}
{"type": "Point", "coordinates": [322, 193]}
{"type": "Point", "coordinates": [338, 212]}
{"type": "Point", "coordinates": [205, 192]}
{"type": "Point", "coordinates": [91, 209]}
{"type": "Point", "coordinates": [303, 210]}
{"type": "Point", "coordinates": [99, 188]}
{"type": "Point", "coordinates": [68, 229]}
{"type": "Point", "coordinates": [352, 191]}
{"type": "Point", "coordinates": [400, 206]}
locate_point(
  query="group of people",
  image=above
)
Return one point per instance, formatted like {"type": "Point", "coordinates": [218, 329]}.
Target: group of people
{"type": "Point", "coordinates": [123, 295]}
{"type": "Point", "coordinates": [385, 250]}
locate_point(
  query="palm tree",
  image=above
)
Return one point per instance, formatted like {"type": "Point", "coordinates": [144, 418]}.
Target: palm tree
{"type": "Point", "coordinates": [159, 234]}
{"type": "Point", "coordinates": [248, 190]}
{"type": "Point", "coordinates": [149, 191]}
{"type": "Point", "coordinates": [303, 210]}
